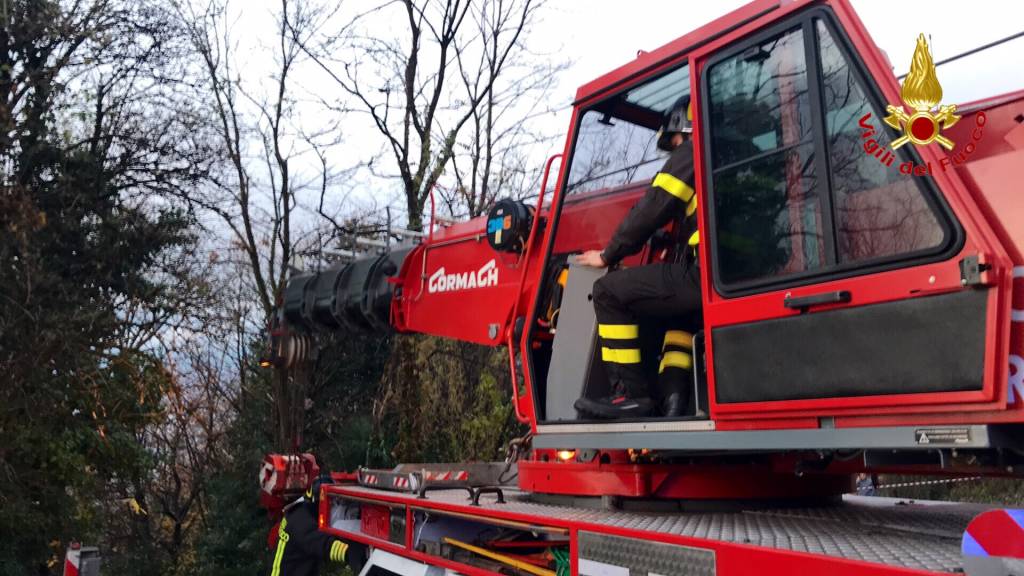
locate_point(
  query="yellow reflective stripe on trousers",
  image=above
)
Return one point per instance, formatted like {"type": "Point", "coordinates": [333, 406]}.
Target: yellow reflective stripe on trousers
{"type": "Point", "coordinates": [691, 207]}
{"type": "Point", "coordinates": [621, 355]}
{"type": "Point", "coordinates": [678, 338]}
{"type": "Point", "coordinates": [673, 186]}
{"type": "Point", "coordinates": [338, 549]}
{"type": "Point", "coordinates": [618, 331]}
{"type": "Point", "coordinates": [282, 541]}
{"type": "Point", "coordinates": [694, 238]}
{"type": "Point", "coordinates": [675, 360]}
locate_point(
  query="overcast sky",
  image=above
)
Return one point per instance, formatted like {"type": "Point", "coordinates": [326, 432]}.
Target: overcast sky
{"type": "Point", "coordinates": [599, 35]}
{"type": "Point", "coordinates": [596, 36]}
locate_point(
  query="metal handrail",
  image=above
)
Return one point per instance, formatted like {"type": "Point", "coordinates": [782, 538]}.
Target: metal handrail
{"type": "Point", "coordinates": [522, 282]}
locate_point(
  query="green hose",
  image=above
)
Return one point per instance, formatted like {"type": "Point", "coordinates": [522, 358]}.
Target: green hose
{"type": "Point", "coordinates": [562, 564]}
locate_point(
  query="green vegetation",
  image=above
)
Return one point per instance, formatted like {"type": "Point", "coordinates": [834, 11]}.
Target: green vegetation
{"type": "Point", "coordinates": [136, 266]}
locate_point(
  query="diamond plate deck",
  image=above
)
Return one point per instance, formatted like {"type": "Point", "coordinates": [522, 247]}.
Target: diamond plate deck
{"type": "Point", "coordinates": [644, 557]}
{"type": "Point", "coordinates": [924, 535]}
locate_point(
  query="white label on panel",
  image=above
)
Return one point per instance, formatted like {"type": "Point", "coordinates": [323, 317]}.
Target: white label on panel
{"type": "Point", "coordinates": [592, 568]}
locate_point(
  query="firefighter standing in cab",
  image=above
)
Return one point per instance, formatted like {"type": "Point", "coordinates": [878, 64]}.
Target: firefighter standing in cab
{"type": "Point", "coordinates": [663, 290]}
{"type": "Point", "coordinates": [302, 549]}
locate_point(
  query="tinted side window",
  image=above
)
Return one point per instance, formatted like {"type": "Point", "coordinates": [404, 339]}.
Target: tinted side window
{"type": "Point", "coordinates": [768, 213]}
{"type": "Point", "coordinates": [878, 211]}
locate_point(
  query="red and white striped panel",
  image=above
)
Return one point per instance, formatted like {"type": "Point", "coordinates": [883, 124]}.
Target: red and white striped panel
{"type": "Point", "coordinates": [458, 475]}
{"type": "Point", "coordinates": [72, 561]}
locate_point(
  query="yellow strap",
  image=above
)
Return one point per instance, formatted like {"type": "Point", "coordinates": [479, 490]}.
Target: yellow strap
{"type": "Point", "coordinates": [673, 186]}
{"type": "Point", "coordinates": [692, 206]}
{"type": "Point", "coordinates": [694, 238]}
{"type": "Point", "coordinates": [678, 338]}
{"type": "Point", "coordinates": [675, 360]}
{"type": "Point", "coordinates": [621, 355]}
{"type": "Point", "coordinates": [507, 560]}
{"type": "Point", "coordinates": [282, 541]}
{"type": "Point", "coordinates": [338, 550]}
{"type": "Point", "coordinates": [618, 331]}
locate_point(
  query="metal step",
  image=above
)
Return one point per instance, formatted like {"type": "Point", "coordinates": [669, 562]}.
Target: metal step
{"type": "Point", "coordinates": [699, 435]}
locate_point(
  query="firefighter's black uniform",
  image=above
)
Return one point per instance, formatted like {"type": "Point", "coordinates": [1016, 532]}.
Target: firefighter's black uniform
{"type": "Point", "coordinates": [302, 549]}
{"type": "Point", "coordinates": [663, 290]}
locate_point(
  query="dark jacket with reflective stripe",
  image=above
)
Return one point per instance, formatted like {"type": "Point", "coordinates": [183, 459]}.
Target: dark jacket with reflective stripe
{"type": "Point", "coordinates": [670, 195]}
{"type": "Point", "coordinates": [301, 548]}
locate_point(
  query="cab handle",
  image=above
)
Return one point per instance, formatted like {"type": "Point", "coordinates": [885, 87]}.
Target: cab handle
{"type": "Point", "coordinates": [802, 303]}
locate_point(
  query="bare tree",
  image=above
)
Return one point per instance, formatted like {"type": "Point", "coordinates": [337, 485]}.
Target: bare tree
{"type": "Point", "coordinates": [492, 155]}
{"type": "Point", "coordinates": [261, 139]}
{"type": "Point", "coordinates": [421, 88]}
{"type": "Point", "coordinates": [269, 158]}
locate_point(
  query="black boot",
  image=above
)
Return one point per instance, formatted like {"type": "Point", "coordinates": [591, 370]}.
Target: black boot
{"type": "Point", "coordinates": [627, 400]}
{"type": "Point", "coordinates": [675, 385]}
{"type": "Point", "coordinates": [675, 374]}
{"type": "Point", "coordinates": [615, 407]}
{"type": "Point", "coordinates": [675, 404]}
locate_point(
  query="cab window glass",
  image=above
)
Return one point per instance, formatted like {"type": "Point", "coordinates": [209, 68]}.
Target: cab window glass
{"type": "Point", "coordinates": [616, 144]}
{"type": "Point", "coordinates": [611, 152]}
{"type": "Point", "coordinates": [795, 191]}
{"type": "Point", "coordinates": [878, 211]}
{"type": "Point", "coordinates": [759, 100]}
{"type": "Point", "coordinates": [768, 213]}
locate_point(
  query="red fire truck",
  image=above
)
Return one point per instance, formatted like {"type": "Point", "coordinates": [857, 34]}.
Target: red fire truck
{"type": "Point", "coordinates": [862, 313]}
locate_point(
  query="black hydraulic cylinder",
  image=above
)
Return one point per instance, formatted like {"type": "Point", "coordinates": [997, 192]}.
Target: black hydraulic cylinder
{"type": "Point", "coordinates": [352, 296]}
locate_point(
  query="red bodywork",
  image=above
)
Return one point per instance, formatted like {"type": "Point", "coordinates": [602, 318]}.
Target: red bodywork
{"type": "Point", "coordinates": [730, 558]}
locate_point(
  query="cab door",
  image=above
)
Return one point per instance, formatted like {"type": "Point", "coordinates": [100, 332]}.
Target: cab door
{"type": "Point", "coordinates": [838, 284]}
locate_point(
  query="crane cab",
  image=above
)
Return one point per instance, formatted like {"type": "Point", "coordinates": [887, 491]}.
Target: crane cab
{"type": "Point", "coordinates": [860, 249]}
{"type": "Point", "coordinates": [846, 302]}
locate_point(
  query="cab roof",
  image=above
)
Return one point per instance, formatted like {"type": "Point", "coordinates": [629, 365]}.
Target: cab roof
{"type": "Point", "coordinates": [648, 60]}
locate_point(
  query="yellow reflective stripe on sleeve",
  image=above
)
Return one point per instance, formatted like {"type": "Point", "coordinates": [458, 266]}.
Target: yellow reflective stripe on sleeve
{"type": "Point", "coordinates": [673, 186]}
{"type": "Point", "coordinates": [692, 206]}
{"type": "Point", "coordinates": [618, 331]}
{"type": "Point", "coordinates": [282, 541]}
{"type": "Point", "coordinates": [338, 550]}
{"type": "Point", "coordinates": [694, 238]}
{"type": "Point", "coordinates": [678, 338]}
{"type": "Point", "coordinates": [675, 360]}
{"type": "Point", "coordinates": [621, 355]}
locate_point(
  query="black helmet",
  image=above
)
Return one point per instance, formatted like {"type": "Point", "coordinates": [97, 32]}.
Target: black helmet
{"type": "Point", "coordinates": [313, 492]}
{"type": "Point", "coordinates": [679, 118]}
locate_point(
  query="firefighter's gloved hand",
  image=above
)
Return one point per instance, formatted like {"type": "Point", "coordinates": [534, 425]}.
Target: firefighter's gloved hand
{"type": "Point", "coordinates": [352, 553]}
{"type": "Point", "coordinates": [357, 556]}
